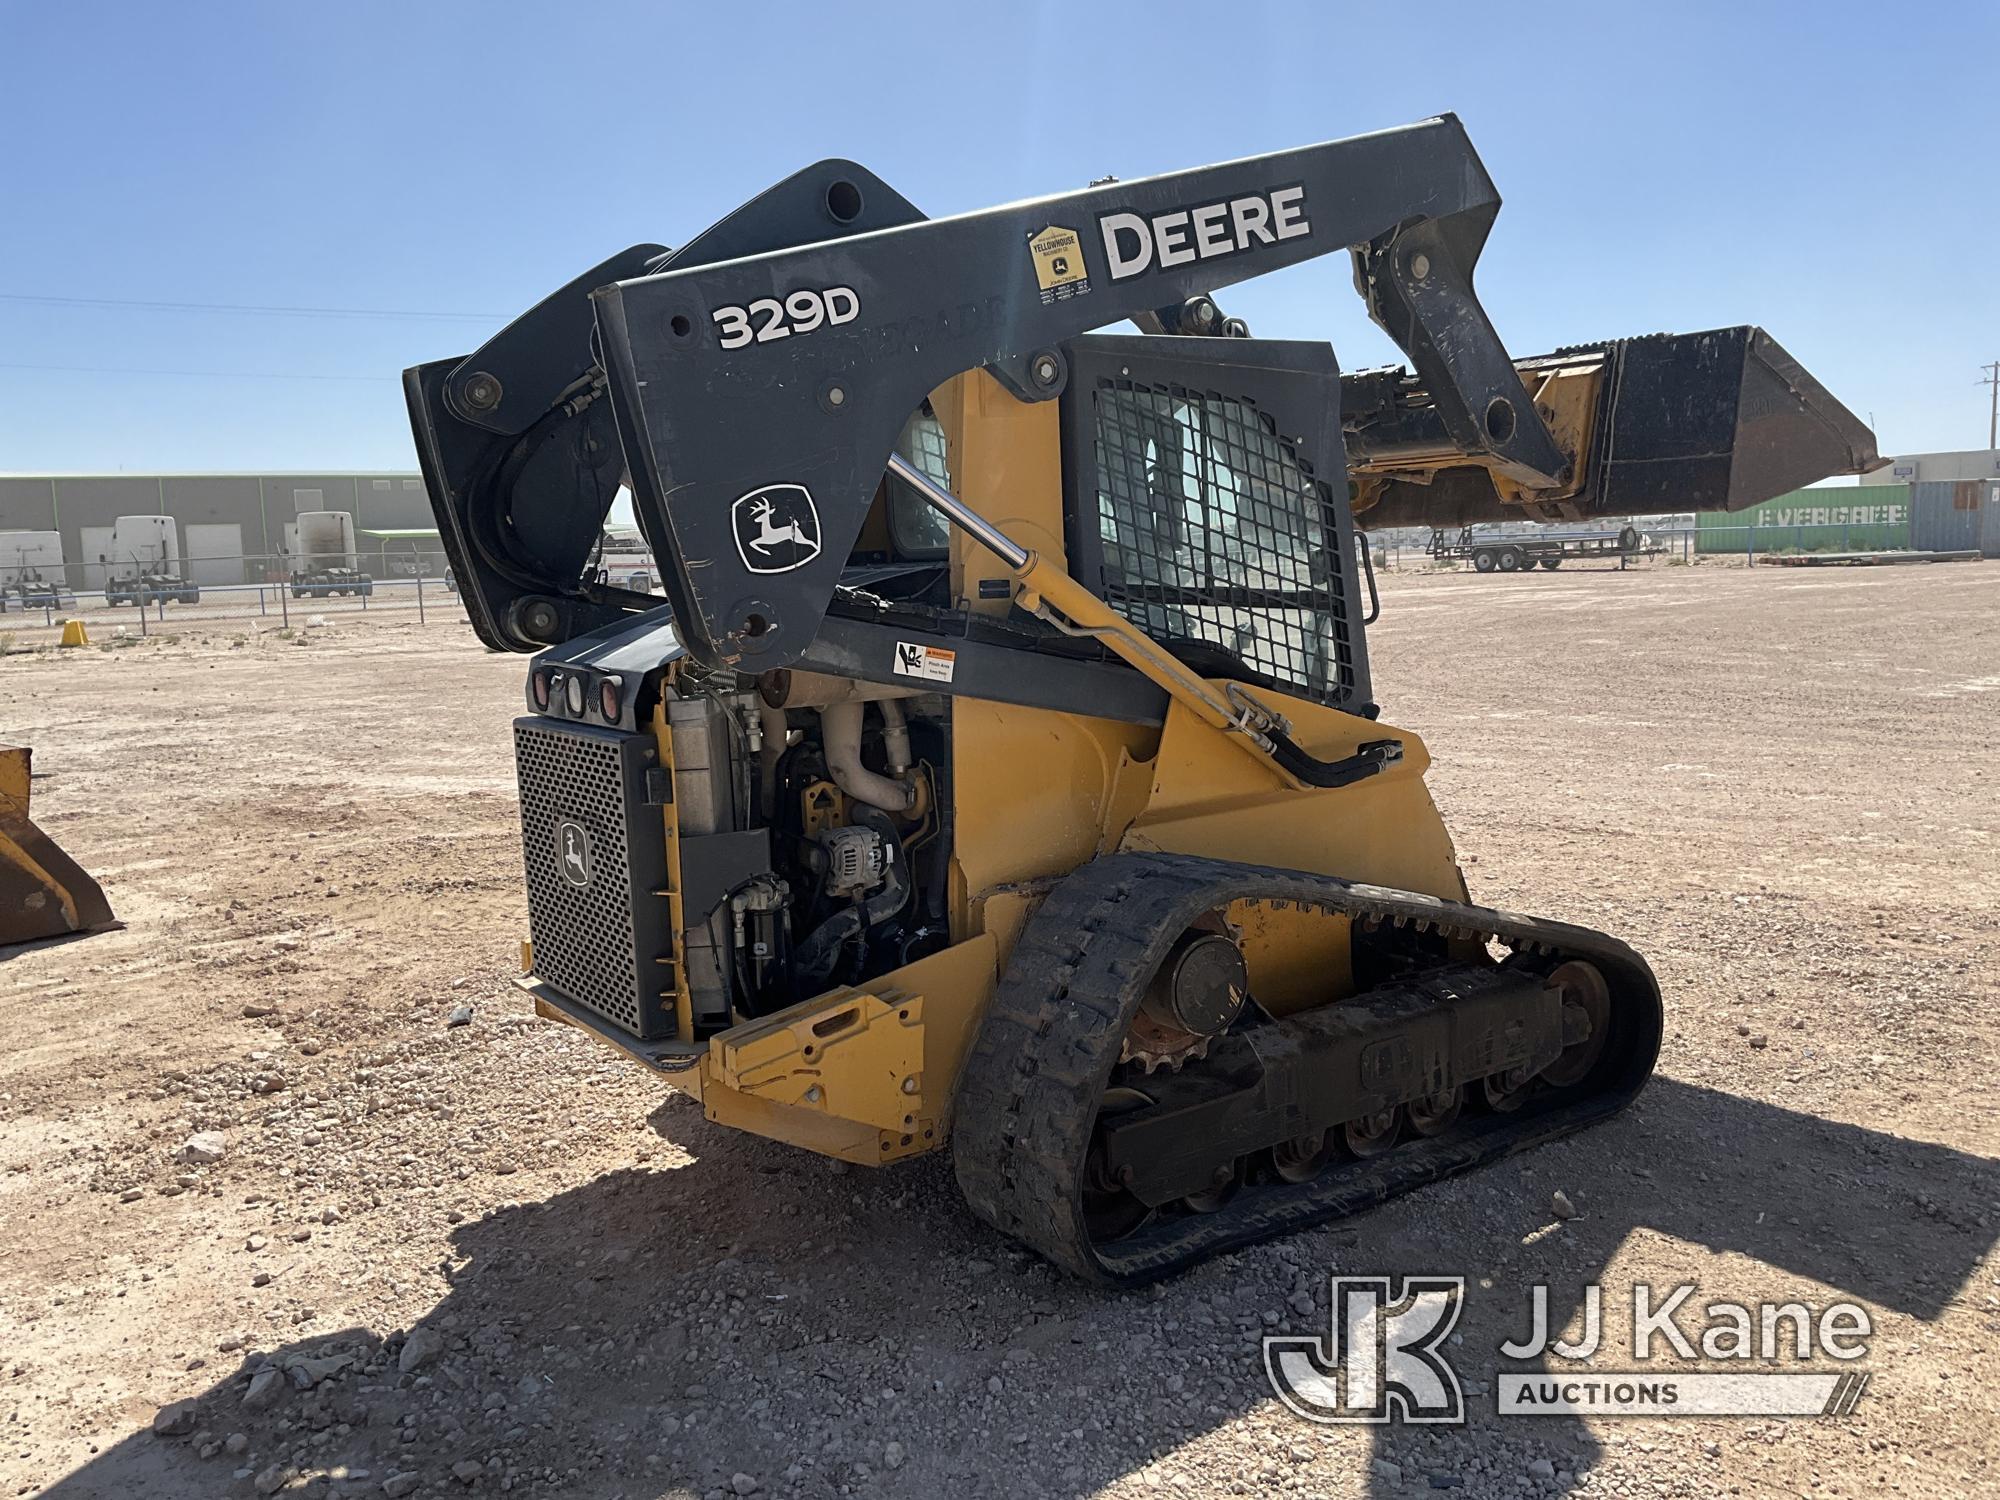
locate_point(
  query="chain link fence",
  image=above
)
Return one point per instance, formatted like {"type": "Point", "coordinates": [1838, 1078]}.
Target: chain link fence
{"type": "Point", "coordinates": [32, 611]}
{"type": "Point", "coordinates": [173, 599]}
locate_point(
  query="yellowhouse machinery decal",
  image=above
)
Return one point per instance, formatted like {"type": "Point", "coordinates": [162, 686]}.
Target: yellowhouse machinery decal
{"type": "Point", "coordinates": [1059, 268]}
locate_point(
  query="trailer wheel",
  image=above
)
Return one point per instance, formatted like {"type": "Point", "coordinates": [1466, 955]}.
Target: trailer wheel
{"type": "Point", "coordinates": [1484, 561]}
{"type": "Point", "coordinates": [1510, 560]}
{"type": "Point", "coordinates": [1552, 563]}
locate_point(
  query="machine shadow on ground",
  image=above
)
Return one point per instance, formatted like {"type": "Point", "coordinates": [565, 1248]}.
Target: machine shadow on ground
{"type": "Point", "coordinates": [1893, 1222]}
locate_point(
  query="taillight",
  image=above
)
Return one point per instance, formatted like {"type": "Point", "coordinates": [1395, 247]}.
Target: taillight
{"type": "Point", "coordinates": [607, 698]}
{"type": "Point", "coordinates": [573, 694]}
{"type": "Point", "coordinates": [538, 689]}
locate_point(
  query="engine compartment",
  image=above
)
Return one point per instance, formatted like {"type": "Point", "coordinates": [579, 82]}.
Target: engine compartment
{"type": "Point", "coordinates": [813, 813]}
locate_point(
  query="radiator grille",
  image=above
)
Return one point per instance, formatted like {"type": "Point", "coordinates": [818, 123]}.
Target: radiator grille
{"type": "Point", "coordinates": [1214, 533]}
{"type": "Point", "coordinates": [587, 943]}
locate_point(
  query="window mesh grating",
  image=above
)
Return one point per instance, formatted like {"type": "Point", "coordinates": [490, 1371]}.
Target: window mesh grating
{"type": "Point", "coordinates": [917, 530]}
{"type": "Point", "coordinates": [1214, 533]}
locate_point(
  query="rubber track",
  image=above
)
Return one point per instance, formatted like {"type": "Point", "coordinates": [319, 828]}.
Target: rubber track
{"type": "Point", "coordinates": [1027, 1100]}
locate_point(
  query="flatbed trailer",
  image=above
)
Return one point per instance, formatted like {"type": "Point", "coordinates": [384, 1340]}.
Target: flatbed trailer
{"type": "Point", "coordinates": [1517, 554]}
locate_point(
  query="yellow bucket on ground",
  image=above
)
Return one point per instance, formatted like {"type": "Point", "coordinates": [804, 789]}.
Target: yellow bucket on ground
{"type": "Point", "coordinates": [43, 892]}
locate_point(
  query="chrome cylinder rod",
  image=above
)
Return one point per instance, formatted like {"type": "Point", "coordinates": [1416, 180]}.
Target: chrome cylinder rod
{"type": "Point", "coordinates": [956, 511]}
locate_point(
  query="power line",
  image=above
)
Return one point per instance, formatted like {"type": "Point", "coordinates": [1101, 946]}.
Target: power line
{"type": "Point", "coordinates": [191, 374]}
{"type": "Point", "coordinates": [245, 307]}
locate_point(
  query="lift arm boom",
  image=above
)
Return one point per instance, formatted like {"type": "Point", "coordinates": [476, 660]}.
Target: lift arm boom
{"type": "Point", "coordinates": [757, 379]}
{"type": "Point", "coordinates": [784, 379]}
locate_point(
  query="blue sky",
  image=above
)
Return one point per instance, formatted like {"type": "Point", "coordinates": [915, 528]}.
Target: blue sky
{"type": "Point", "coordinates": [1826, 170]}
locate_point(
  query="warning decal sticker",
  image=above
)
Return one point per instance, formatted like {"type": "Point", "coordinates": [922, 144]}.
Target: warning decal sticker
{"type": "Point", "coordinates": [932, 663]}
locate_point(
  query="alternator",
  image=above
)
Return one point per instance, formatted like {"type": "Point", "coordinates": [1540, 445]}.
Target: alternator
{"type": "Point", "coordinates": [855, 859]}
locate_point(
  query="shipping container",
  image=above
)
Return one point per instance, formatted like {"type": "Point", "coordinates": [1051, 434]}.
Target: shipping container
{"type": "Point", "coordinates": [1955, 516]}
{"type": "Point", "coordinates": [1836, 518]}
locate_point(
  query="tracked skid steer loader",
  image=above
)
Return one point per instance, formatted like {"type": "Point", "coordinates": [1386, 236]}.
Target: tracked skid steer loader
{"type": "Point", "coordinates": [1004, 766]}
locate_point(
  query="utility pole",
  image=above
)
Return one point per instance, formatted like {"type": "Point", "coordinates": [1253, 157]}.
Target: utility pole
{"type": "Point", "coordinates": [1993, 419]}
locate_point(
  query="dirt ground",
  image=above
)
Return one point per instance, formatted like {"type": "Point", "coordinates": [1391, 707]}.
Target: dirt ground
{"type": "Point", "coordinates": [528, 1269]}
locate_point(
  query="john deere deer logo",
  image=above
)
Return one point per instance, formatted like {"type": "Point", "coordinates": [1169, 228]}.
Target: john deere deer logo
{"type": "Point", "coordinates": [777, 528]}
{"type": "Point", "coordinates": [573, 852]}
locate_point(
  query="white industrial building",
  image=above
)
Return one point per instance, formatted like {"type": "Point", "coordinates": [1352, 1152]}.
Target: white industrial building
{"type": "Point", "coordinates": [1932, 468]}
{"type": "Point", "coordinates": [230, 528]}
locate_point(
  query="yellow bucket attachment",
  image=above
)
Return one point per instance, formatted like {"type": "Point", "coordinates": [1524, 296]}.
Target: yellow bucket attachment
{"type": "Point", "coordinates": [43, 892]}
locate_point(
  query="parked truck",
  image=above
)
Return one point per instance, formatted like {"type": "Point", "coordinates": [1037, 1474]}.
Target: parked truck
{"type": "Point", "coordinates": [325, 559]}
{"type": "Point", "coordinates": [31, 571]}
{"type": "Point", "coordinates": [144, 564]}
{"type": "Point", "coordinates": [30, 590]}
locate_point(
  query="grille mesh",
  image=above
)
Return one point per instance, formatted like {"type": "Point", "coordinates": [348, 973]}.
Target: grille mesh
{"type": "Point", "coordinates": [1213, 531]}
{"type": "Point", "coordinates": [582, 934]}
